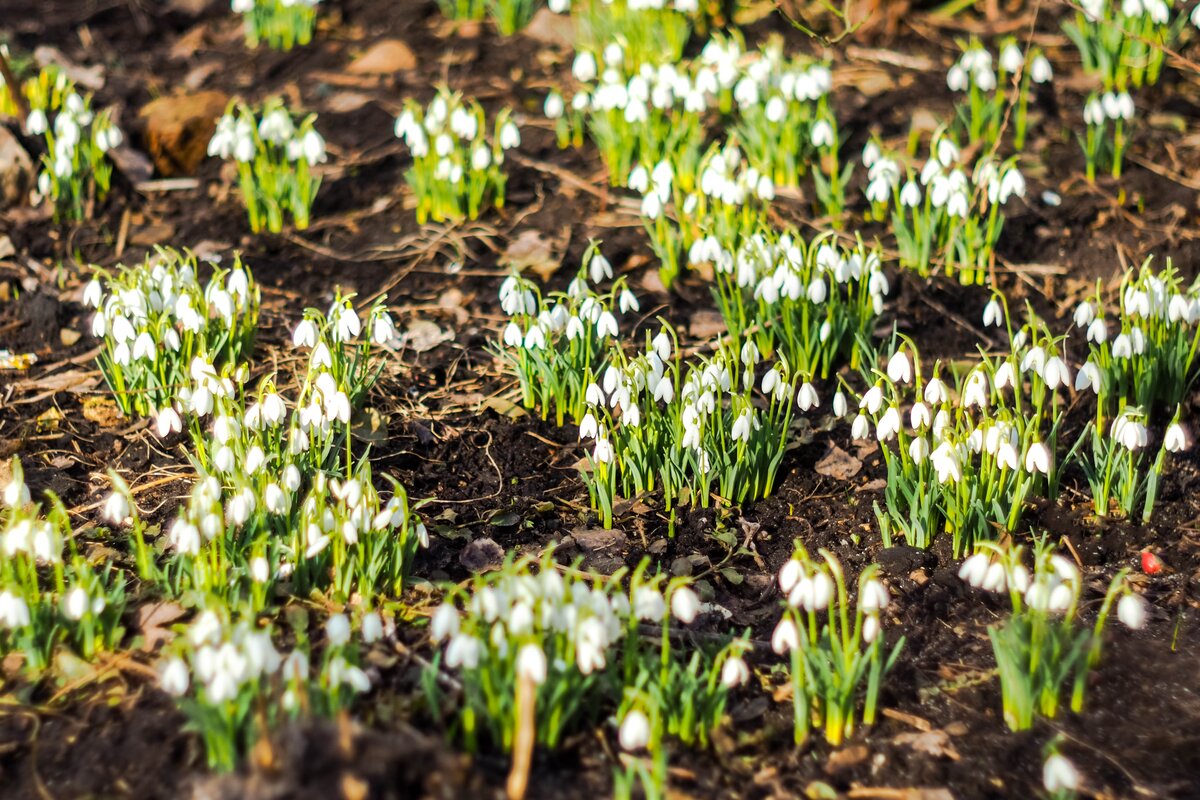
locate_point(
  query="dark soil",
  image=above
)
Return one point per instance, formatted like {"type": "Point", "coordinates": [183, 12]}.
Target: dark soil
{"type": "Point", "coordinates": [510, 478]}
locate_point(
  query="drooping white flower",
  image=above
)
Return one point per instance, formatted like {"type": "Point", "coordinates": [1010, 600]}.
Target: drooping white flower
{"type": "Point", "coordinates": [1059, 775]}
{"type": "Point", "coordinates": [1131, 610]}
{"type": "Point", "coordinates": [634, 733]}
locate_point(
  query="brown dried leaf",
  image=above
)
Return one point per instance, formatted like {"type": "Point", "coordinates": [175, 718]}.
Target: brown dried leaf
{"type": "Point", "coordinates": [152, 621]}
{"type": "Point", "coordinates": [838, 464]}
{"type": "Point", "coordinates": [383, 58]}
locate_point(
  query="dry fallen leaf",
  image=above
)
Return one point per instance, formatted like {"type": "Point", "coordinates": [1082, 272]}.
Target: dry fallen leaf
{"type": "Point", "coordinates": [533, 251]}
{"type": "Point", "coordinates": [152, 620]}
{"type": "Point", "coordinates": [102, 411]}
{"type": "Point", "coordinates": [424, 335]}
{"type": "Point", "coordinates": [935, 743]}
{"type": "Point", "coordinates": [838, 464]}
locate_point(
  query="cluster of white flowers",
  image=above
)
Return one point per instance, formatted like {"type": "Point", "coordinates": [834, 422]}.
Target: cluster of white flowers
{"type": "Point", "coordinates": [248, 6]}
{"type": "Point", "coordinates": [455, 129]}
{"type": "Point", "coordinates": [976, 68]}
{"type": "Point", "coordinates": [163, 331]}
{"type": "Point", "coordinates": [1156, 11]}
{"type": "Point", "coordinates": [1108, 106]}
{"type": "Point", "coordinates": [73, 122]}
{"type": "Point", "coordinates": [809, 587]}
{"type": "Point", "coordinates": [572, 315]}
{"type": "Point", "coordinates": [549, 623]}
{"type": "Point", "coordinates": [944, 177]}
{"type": "Point", "coordinates": [235, 137]}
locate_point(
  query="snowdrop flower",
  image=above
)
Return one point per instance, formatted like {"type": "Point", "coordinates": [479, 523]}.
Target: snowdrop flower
{"type": "Point", "coordinates": [531, 664]}
{"type": "Point", "coordinates": [337, 630]}
{"type": "Point", "coordinates": [510, 136]}
{"type": "Point", "coordinates": [822, 134]}
{"type": "Point", "coordinates": [685, 605]}
{"type": "Point", "coordinates": [553, 107]}
{"type": "Point", "coordinates": [872, 400]}
{"type": "Point", "coordinates": [116, 508]}
{"type": "Point", "coordinates": [599, 268]}
{"type": "Point", "coordinates": [1122, 346]}
{"type": "Point", "coordinates": [889, 424]}
{"type": "Point", "coordinates": [1040, 70]}
{"type": "Point", "coordinates": [873, 596]}
{"type": "Point", "coordinates": [974, 569]}
{"type": "Point", "coordinates": [16, 494]}
{"type": "Point", "coordinates": [1011, 58]}
{"type": "Point", "coordinates": [1176, 439]}
{"type": "Point", "coordinates": [14, 612]}
{"type": "Point", "coordinates": [899, 368]}
{"type": "Point", "coordinates": [786, 637]}
{"type": "Point", "coordinates": [634, 733]}
{"type": "Point", "coordinates": [174, 678]}
{"type": "Point", "coordinates": [1056, 373]}
{"type": "Point", "coordinates": [1131, 610]}
{"type": "Point", "coordinates": [936, 392]}
{"type": "Point", "coordinates": [861, 427]}
{"type": "Point", "coordinates": [444, 623]}
{"type": "Point", "coordinates": [1059, 775]}
{"type": "Point", "coordinates": [1038, 459]}
{"type": "Point", "coordinates": [807, 397]}
{"type": "Point", "coordinates": [910, 195]}
{"type": "Point", "coordinates": [735, 672]}
{"type": "Point", "coordinates": [839, 404]}
{"type": "Point", "coordinates": [584, 67]}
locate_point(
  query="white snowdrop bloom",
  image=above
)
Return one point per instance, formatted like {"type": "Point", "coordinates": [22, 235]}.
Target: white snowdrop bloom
{"type": "Point", "coordinates": [444, 623]}
{"type": "Point", "coordinates": [535, 338]}
{"type": "Point", "coordinates": [1093, 112]}
{"type": "Point", "coordinates": [918, 449]}
{"type": "Point", "coordinates": [510, 136]}
{"type": "Point", "coordinates": [936, 392]}
{"type": "Point", "coordinates": [1040, 70]}
{"type": "Point", "coordinates": [839, 404]}
{"type": "Point", "coordinates": [116, 508]}
{"type": "Point", "coordinates": [899, 368]}
{"type": "Point", "coordinates": [735, 672]}
{"type": "Point", "coordinates": [874, 596]}
{"type": "Point", "coordinates": [1097, 331]}
{"type": "Point", "coordinates": [786, 637]}
{"type": "Point", "coordinates": [1011, 58]}
{"type": "Point", "coordinates": [910, 195]}
{"type": "Point", "coordinates": [1005, 376]}
{"type": "Point", "coordinates": [1122, 346]}
{"type": "Point", "coordinates": [685, 604]}
{"type": "Point", "coordinates": [337, 630]}
{"type": "Point", "coordinates": [1084, 314]}
{"type": "Point", "coordinates": [995, 579]}
{"type": "Point", "coordinates": [531, 664]}
{"type": "Point", "coordinates": [872, 401]}
{"type": "Point", "coordinates": [790, 574]}
{"type": "Point", "coordinates": [305, 334]}
{"type": "Point", "coordinates": [974, 570]}
{"type": "Point", "coordinates": [1124, 106]}
{"type": "Point", "coordinates": [871, 628]}
{"type": "Point", "coordinates": [348, 324]}
{"type": "Point", "coordinates": [584, 67]}
{"type": "Point", "coordinates": [957, 79]}
{"type": "Point", "coordinates": [1176, 439]}
{"type": "Point", "coordinates": [822, 134]}
{"type": "Point", "coordinates": [946, 462]}
{"type": "Point", "coordinates": [598, 268]}
{"type": "Point", "coordinates": [889, 424]}
{"type": "Point", "coordinates": [606, 325]}
{"type": "Point", "coordinates": [1059, 775]}
{"type": "Point", "coordinates": [14, 612]}
{"type": "Point", "coordinates": [861, 427]}
{"type": "Point", "coordinates": [1038, 459]}
{"type": "Point", "coordinates": [634, 733]}
{"type": "Point", "coordinates": [1129, 432]}
{"type": "Point", "coordinates": [167, 421]}
{"type": "Point", "coordinates": [602, 453]}
{"type": "Point", "coordinates": [975, 393]}
{"type": "Point", "coordinates": [1056, 373]}
{"type": "Point", "coordinates": [807, 397]}
{"type": "Point", "coordinates": [1088, 377]}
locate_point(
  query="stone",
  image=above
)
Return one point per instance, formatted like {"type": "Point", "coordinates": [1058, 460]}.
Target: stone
{"type": "Point", "coordinates": [178, 129]}
{"type": "Point", "coordinates": [383, 58]}
{"type": "Point", "coordinates": [16, 170]}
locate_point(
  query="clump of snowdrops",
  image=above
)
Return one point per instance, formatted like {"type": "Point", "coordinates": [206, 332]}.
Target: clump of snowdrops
{"type": "Point", "coordinates": [835, 644]}
{"type": "Point", "coordinates": [985, 82]}
{"type": "Point", "coordinates": [1123, 44]}
{"type": "Point", "coordinates": [1145, 358]}
{"type": "Point", "coordinates": [688, 429]}
{"type": "Point", "coordinates": [584, 645]}
{"type": "Point", "coordinates": [275, 157]}
{"type": "Point", "coordinates": [457, 171]}
{"type": "Point", "coordinates": [722, 198]}
{"type": "Point", "coordinates": [235, 685]}
{"type": "Point", "coordinates": [51, 594]}
{"type": "Point", "coordinates": [812, 304]}
{"type": "Point", "coordinates": [281, 498]}
{"type": "Point", "coordinates": [966, 462]}
{"type": "Point", "coordinates": [156, 318]}
{"type": "Point", "coordinates": [1045, 646]}
{"type": "Point", "coordinates": [636, 117]}
{"type": "Point", "coordinates": [282, 24]}
{"type": "Point", "coordinates": [76, 171]}
{"type": "Point", "coordinates": [1105, 139]}
{"type": "Point", "coordinates": [782, 112]}
{"type": "Point", "coordinates": [952, 209]}
{"type": "Point", "coordinates": [555, 344]}
{"type": "Point", "coordinates": [1122, 468]}
{"type": "Point", "coordinates": [651, 31]}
